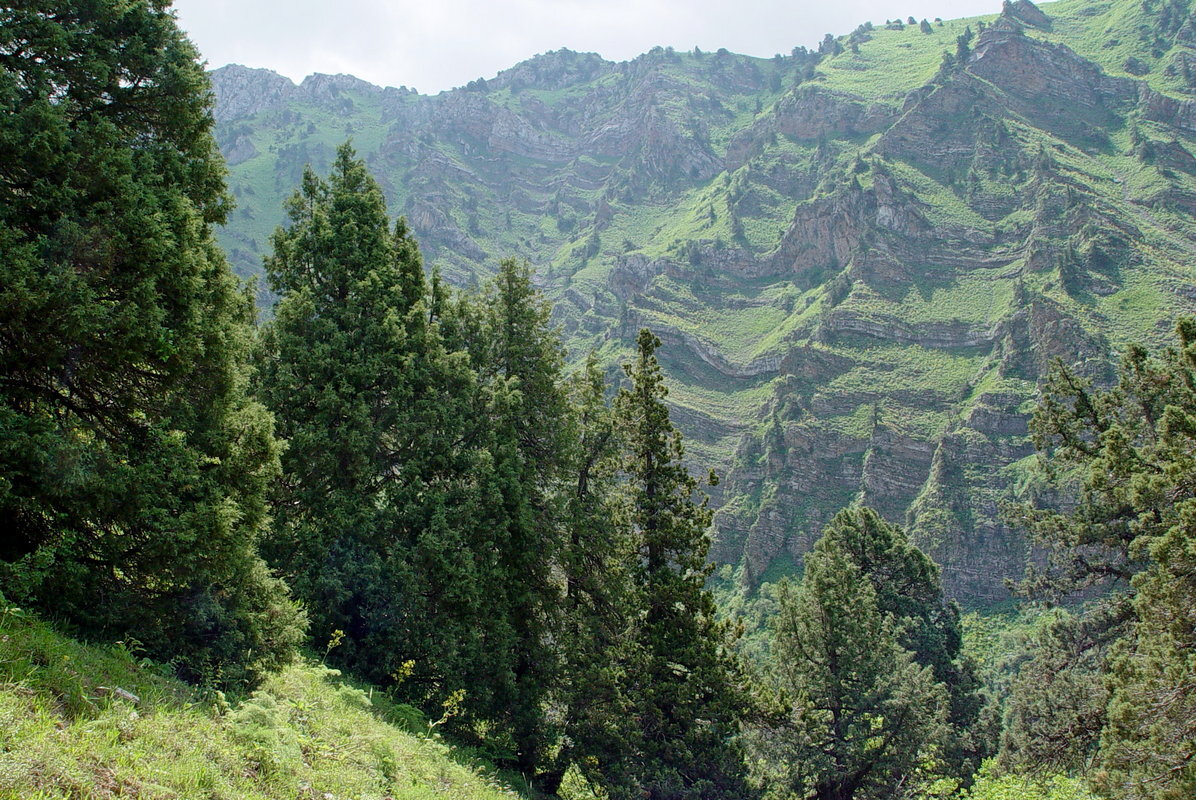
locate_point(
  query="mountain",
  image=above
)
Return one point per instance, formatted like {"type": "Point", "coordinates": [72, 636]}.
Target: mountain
{"type": "Point", "coordinates": [861, 259]}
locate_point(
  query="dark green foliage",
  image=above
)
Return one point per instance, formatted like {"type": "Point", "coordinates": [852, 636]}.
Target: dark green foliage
{"type": "Point", "coordinates": [909, 590]}
{"type": "Point", "coordinates": [963, 46]}
{"type": "Point", "coordinates": [133, 466]}
{"type": "Point", "coordinates": [1056, 705]}
{"type": "Point", "coordinates": [681, 679]}
{"type": "Point", "coordinates": [1124, 669]}
{"type": "Point", "coordinates": [376, 510]}
{"type": "Point", "coordinates": [529, 424]}
{"type": "Point", "coordinates": [443, 504]}
{"type": "Point", "coordinates": [1148, 749]}
{"type": "Point", "coordinates": [422, 511]}
{"type": "Point", "coordinates": [857, 716]}
{"type": "Point", "coordinates": [600, 602]}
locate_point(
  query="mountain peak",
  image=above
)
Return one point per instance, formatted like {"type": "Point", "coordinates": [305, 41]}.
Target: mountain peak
{"type": "Point", "coordinates": [556, 69]}
{"type": "Point", "coordinates": [244, 91]}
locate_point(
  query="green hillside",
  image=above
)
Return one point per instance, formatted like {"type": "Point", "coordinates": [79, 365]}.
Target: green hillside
{"type": "Point", "coordinates": [90, 721]}
{"type": "Point", "coordinates": [861, 259]}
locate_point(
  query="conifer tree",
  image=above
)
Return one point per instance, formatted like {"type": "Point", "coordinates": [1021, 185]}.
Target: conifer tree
{"type": "Point", "coordinates": [375, 516]}
{"type": "Point", "coordinates": [597, 638]}
{"type": "Point", "coordinates": [681, 681]}
{"type": "Point", "coordinates": [133, 465]}
{"type": "Point", "coordinates": [336, 333]}
{"type": "Point", "coordinates": [1126, 665]}
{"type": "Point", "coordinates": [909, 590]}
{"type": "Point", "coordinates": [859, 718]}
{"type": "Point", "coordinates": [529, 421]}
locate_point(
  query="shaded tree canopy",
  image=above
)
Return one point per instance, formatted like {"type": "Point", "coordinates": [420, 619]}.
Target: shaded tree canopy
{"type": "Point", "coordinates": [856, 716]}
{"type": "Point", "coordinates": [1126, 453]}
{"type": "Point", "coordinates": [134, 465]}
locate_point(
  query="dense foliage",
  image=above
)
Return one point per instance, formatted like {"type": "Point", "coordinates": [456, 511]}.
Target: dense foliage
{"type": "Point", "coordinates": [683, 694]}
{"type": "Point", "coordinates": [133, 464]}
{"type": "Point", "coordinates": [875, 699]}
{"type": "Point", "coordinates": [468, 533]}
{"type": "Point", "coordinates": [513, 553]}
{"type": "Point", "coordinates": [1111, 688]}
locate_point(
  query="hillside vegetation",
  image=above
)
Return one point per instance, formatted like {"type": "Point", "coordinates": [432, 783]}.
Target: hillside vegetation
{"type": "Point", "coordinates": [90, 721]}
{"type": "Point", "coordinates": [863, 258]}
{"type": "Point", "coordinates": [512, 551]}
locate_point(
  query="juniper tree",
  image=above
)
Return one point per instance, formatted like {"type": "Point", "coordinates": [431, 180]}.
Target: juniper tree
{"type": "Point", "coordinates": [375, 510]}
{"type": "Point", "coordinates": [681, 680]}
{"type": "Point", "coordinates": [1125, 455]}
{"type": "Point", "coordinates": [599, 610]}
{"type": "Point", "coordinates": [858, 717]}
{"type": "Point", "coordinates": [133, 465]}
{"type": "Point", "coordinates": [529, 424]}
{"type": "Point", "coordinates": [909, 590]}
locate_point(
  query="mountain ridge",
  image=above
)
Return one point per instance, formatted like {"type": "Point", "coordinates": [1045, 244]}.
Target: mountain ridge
{"type": "Point", "coordinates": [862, 258]}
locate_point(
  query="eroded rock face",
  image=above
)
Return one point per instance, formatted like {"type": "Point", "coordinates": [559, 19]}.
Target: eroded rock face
{"type": "Point", "coordinates": [1050, 84]}
{"type": "Point", "coordinates": [1031, 14]}
{"type": "Point", "coordinates": [809, 114]}
{"type": "Point", "coordinates": [244, 92]}
{"type": "Point", "coordinates": [1173, 111]}
{"type": "Point", "coordinates": [939, 130]}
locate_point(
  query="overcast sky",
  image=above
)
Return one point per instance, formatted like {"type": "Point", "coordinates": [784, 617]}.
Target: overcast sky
{"type": "Point", "coordinates": [438, 44]}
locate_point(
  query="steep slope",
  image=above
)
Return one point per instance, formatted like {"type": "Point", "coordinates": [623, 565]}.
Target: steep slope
{"type": "Point", "coordinates": [862, 259]}
{"type": "Point", "coordinates": [83, 720]}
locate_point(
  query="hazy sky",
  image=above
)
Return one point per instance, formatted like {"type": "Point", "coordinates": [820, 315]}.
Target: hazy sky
{"type": "Point", "coordinates": [438, 44]}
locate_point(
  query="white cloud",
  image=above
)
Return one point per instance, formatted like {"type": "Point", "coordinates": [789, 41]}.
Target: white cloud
{"type": "Point", "coordinates": [444, 43]}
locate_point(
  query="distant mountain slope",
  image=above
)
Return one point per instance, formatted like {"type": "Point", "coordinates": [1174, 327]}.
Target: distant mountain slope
{"type": "Point", "coordinates": [862, 258]}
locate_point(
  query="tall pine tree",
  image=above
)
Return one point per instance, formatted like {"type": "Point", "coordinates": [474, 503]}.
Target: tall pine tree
{"type": "Point", "coordinates": [600, 557]}
{"type": "Point", "coordinates": [908, 589]}
{"type": "Point", "coordinates": [859, 719]}
{"type": "Point", "coordinates": [530, 419]}
{"type": "Point", "coordinates": [375, 511]}
{"type": "Point", "coordinates": [1113, 684]}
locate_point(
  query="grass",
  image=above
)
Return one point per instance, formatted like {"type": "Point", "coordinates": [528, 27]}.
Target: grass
{"type": "Point", "coordinates": [1109, 33]}
{"type": "Point", "coordinates": [306, 733]}
{"type": "Point", "coordinates": [890, 367]}
{"type": "Point", "coordinates": [870, 72]}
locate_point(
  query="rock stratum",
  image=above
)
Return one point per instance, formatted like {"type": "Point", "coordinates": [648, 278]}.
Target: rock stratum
{"type": "Point", "coordinates": [863, 258]}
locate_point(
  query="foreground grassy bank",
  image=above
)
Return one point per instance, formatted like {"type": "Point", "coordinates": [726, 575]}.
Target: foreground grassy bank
{"type": "Point", "coordinates": [85, 721]}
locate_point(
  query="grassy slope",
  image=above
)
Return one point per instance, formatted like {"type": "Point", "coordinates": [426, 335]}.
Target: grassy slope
{"type": "Point", "coordinates": [306, 733]}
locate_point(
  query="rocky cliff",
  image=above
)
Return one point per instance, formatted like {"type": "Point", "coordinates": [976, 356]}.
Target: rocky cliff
{"type": "Point", "coordinates": [863, 259]}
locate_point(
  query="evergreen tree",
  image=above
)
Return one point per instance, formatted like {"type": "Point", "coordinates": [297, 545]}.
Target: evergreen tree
{"type": "Point", "coordinates": [1056, 708]}
{"type": "Point", "coordinates": [133, 465]}
{"type": "Point", "coordinates": [1125, 453]}
{"type": "Point", "coordinates": [859, 717]}
{"type": "Point", "coordinates": [909, 590]}
{"type": "Point", "coordinates": [597, 639]}
{"type": "Point", "coordinates": [1148, 749]}
{"type": "Point", "coordinates": [530, 421]}
{"type": "Point", "coordinates": [681, 680]}
{"type": "Point", "coordinates": [377, 505]}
